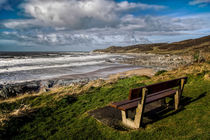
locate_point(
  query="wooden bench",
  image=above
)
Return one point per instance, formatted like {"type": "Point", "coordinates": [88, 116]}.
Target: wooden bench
{"type": "Point", "coordinates": [141, 96]}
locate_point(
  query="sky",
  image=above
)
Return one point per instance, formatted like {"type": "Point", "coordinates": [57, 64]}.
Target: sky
{"type": "Point", "coordinates": [85, 25]}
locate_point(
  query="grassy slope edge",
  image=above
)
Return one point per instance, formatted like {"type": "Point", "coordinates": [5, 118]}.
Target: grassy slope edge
{"type": "Point", "coordinates": [59, 114]}
{"type": "Point", "coordinates": [193, 47]}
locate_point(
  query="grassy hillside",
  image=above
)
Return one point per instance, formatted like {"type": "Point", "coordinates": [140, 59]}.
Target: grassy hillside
{"type": "Point", "coordinates": [186, 47]}
{"type": "Point", "coordinates": [62, 114]}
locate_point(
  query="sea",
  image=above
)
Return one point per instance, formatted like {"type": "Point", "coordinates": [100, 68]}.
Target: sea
{"type": "Point", "coordinates": [17, 67]}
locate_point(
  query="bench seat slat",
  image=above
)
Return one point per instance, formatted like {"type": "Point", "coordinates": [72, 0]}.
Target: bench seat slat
{"type": "Point", "coordinates": [148, 100]}
{"type": "Point", "coordinates": [118, 104]}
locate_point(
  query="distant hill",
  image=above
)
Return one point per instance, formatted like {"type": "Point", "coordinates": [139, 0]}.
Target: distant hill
{"type": "Point", "coordinates": [186, 47]}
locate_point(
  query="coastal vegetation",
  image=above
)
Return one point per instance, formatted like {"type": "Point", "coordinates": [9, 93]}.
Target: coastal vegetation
{"type": "Point", "coordinates": [62, 112]}
{"type": "Point", "coordinates": [199, 48]}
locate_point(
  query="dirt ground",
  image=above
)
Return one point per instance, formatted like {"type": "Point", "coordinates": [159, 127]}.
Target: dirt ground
{"type": "Point", "coordinates": [112, 117]}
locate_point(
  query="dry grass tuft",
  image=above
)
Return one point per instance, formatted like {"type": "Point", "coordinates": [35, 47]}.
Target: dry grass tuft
{"type": "Point", "coordinates": [20, 97]}
{"type": "Point", "coordinates": [21, 111]}
{"type": "Point", "coordinates": [77, 88]}
{"type": "Point", "coordinates": [194, 69]}
{"type": "Point", "coordinates": [207, 77]}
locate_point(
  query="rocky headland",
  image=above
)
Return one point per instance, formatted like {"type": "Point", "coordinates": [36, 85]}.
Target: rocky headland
{"type": "Point", "coordinates": [157, 61]}
{"type": "Point", "coordinates": [166, 55]}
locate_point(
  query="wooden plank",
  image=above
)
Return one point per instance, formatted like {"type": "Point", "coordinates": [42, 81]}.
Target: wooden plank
{"type": "Point", "coordinates": [148, 100]}
{"type": "Point", "coordinates": [134, 93]}
{"type": "Point", "coordinates": [160, 96]}
{"type": "Point", "coordinates": [117, 104]}
{"type": "Point", "coordinates": [160, 92]}
{"type": "Point", "coordinates": [153, 88]}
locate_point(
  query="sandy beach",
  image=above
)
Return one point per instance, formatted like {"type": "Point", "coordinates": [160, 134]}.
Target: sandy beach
{"type": "Point", "coordinates": [107, 74]}
{"type": "Point", "coordinates": [112, 72]}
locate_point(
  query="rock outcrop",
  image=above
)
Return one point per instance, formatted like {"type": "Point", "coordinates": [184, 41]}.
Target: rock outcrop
{"type": "Point", "coordinates": [157, 61]}
{"type": "Point", "coordinates": [11, 90]}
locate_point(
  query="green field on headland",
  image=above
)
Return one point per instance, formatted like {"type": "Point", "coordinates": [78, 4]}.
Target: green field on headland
{"type": "Point", "coordinates": [61, 114]}
{"type": "Point", "coordinates": [185, 47]}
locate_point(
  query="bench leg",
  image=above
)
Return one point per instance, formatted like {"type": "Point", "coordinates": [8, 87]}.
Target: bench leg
{"type": "Point", "coordinates": [163, 102]}
{"type": "Point", "coordinates": [124, 117]}
{"type": "Point", "coordinates": [179, 94]}
{"type": "Point", "coordinates": [137, 122]}
{"type": "Point", "coordinates": [177, 99]}
{"type": "Point", "coordinates": [139, 115]}
{"type": "Point", "coordinates": [127, 121]}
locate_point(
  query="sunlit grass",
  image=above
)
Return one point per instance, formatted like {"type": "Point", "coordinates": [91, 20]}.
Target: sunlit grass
{"type": "Point", "coordinates": [58, 115]}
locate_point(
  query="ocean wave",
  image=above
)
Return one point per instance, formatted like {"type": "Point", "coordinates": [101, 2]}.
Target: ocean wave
{"type": "Point", "coordinates": [36, 66]}
{"type": "Point", "coordinates": [46, 61]}
{"type": "Point", "coordinates": [74, 64]}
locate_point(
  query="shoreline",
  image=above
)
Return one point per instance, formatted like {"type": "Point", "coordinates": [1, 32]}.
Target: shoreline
{"type": "Point", "coordinates": [136, 64]}
{"type": "Point", "coordinates": [36, 86]}
{"type": "Point", "coordinates": [155, 61]}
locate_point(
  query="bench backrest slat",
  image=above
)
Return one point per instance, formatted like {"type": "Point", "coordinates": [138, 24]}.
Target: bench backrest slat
{"type": "Point", "coordinates": [137, 92]}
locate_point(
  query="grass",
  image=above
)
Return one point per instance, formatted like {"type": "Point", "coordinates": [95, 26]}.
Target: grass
{"type": "Point", "coordinates": [66, 117]}
{"type": "Point", "coordinates": [198, 49]}
{"type": "Point", "coordinates": [160, 72]}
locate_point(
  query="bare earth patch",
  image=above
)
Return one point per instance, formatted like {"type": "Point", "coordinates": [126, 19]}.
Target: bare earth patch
{"type": "Point", "coordinates": [112, 117]}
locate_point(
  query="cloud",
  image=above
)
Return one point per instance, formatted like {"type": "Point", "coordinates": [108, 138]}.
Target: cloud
{"type": "Point", "coordinates": [76, 14]}
{"type": "Point", "coordinates": [165, 24]}
{"type": "Point", "coordinates": [2, 2]}
{"type": "Point", "coordinates": [81, 14]}
{"type": "Point", "coordinates": [18, 24]}
{"type": "Point", "coordinates": [93, 38]}
{"type": "Point", "coordinates": [127, 6]}
{"type": "Point", "coordinates": [201, 3]}
{"type": "Point", "coordinates": [72, 14]}
{"type": "Point", "coordinates": [131, 30]}
{"type": "Point", "coordinates": [91, 24]}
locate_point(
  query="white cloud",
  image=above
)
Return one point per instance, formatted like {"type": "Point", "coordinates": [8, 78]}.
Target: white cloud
{"type": "Point", "coordinates": [127, 6]}
{"type": "Point", "coordinates": [81, 14]}
{"type": "Point", "coordinates": [86, 39]}
{"type": "Point", "coordinates": [20, 23]}
{"type": "Point", "coordinates": [73, 14]}
{"type": "Point", "coordinates": [164, 24]}
{"type": "Point", "coordinates": [130, 30]}
{"type": "Point", "coordinates": [199, 2]}
{"type": "Point", "coordinates": [93, 24]}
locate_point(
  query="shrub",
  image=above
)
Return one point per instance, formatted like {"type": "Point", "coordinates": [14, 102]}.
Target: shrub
{"type": "Point", "coordinates": [198, 57]}
{"type": "Point", "coordinates": [160, 72]}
